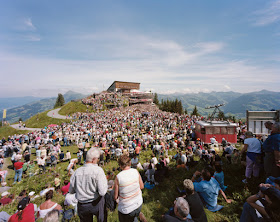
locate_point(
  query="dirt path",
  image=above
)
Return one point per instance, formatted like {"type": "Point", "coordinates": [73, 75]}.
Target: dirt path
{"type": "Point", "coordinates": [54, 114]}
{"type": "Point", "coordinates": [16, 126]}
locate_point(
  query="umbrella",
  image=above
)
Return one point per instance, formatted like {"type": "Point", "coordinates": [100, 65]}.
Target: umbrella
{"type": "Point", "coordinates": [52, 125]}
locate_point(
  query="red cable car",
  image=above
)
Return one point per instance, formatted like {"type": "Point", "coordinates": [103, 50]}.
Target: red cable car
{"type": "Point", "coordinates": [218, 129]}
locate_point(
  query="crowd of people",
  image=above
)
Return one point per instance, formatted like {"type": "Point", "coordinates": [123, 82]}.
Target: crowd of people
{"type": "Point", "coordinates": [123, 134]}
{"type": "Point", "coordinates": [98, 101]}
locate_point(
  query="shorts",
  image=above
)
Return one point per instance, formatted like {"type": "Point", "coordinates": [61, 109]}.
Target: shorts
{"type": "Point", "coordinates": [131, 217]}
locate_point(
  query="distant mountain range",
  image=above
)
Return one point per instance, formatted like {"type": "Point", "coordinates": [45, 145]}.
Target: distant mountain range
{"type": "Point", "coordinates": [235, 103]}
{"type": "Point", "coordinates": [36, 106]}
{"type": "Point", "coordinates": [7, 103]}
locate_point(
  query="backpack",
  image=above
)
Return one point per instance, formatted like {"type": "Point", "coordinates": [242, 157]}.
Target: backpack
{"type": "Point", "coordinates": [67, 215]}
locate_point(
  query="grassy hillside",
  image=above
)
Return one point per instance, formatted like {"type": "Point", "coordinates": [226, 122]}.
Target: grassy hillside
{"type": "Point", "coordinates": [28, 110]}
{"type": "Point", "coordinates": [156, 201]}
{"type": "Point", "coordinates": [41, 120]}
{"type": "Point", "coordinates": [6, 131]}
{"type": "Point", "coordinates": [73, 107]}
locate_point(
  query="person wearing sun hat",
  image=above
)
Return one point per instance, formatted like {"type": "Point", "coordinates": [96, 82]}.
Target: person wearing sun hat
{"type": "Point", "coordinates": [25, 212]}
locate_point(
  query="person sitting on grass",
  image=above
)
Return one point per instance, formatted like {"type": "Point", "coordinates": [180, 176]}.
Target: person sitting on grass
{"type": "Point", "coordinates": [134, 161]}
{"type": "Point", "coordinates": [57, 182]}
{"type": "Point", "coordinates": [180, 164]}
{"type": "Point", "coordinates": [25, 211]}
{"type": "Point", "coordinates": [219, 176]}
{"type": "Point", "coordinates": [21, 195]}
{"type": "Point", "coordinates": [209, 190]}
{"type": "Point", "coordinates": [6, 198]}
{"type": "Point", "coordinates": [53, 158]}
{"type": "Point", "coordinates": [68, 155]}
{"type": "Point", "coordinates": [61, 156]}
{"type": "Point", "coordinates": [228, 152]}
{"type": "Point", "coordinates": [47, 189]}
{"type": "Point", "coordinates": [179, 213]}
{"type": "Point", "coordinates": [236, 157]}
{"type": "Point", "coordinates": [263, 206]}
{"type": "Point", "coordinates": [3, 175]}
{"type": "Point", "coordinates": [196, 206]}
{"type": "Point", "coordinates": [48, 205]}
{"type": "Point", "coordinates": [52, 216]}
{"type": "Point", "coordinates": [70, 168]}
{"type": "Point", "coordinates": [65, 188]}
{"type": "Point", "coordinates": [150, 174]}
{"type": "Point", "coordinates": [110, 202]}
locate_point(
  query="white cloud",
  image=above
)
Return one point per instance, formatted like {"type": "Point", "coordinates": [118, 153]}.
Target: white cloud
{"type": "Point", "coordinates": [165, 66]}
{"type": "Point", "coordinates": [268, 15]}
{"type": "Point", "coordinates": [123, 45]}
{"type": "Point", "coordinates": [32, 38]}
{"type": "Point", "coordinates": [90, 76]}
{"type": "Point", "coordinates": [27, 22]}
{"type": "Point", "coordinates": [227, 87]}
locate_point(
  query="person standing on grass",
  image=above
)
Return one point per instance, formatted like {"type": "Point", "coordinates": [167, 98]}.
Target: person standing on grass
{"type": "Point", "coordinates": [271, 148]}
{"type": "Point", "coordinates": [18, 171]}
{"type": "Point", "coordinates": [42, 162]}
{"type": "Point", "coordinates": [90, 185]}
{"type": "Point", "coordinates": [253, 148]}
{"type": "Point", "coordinates": [128, 186]}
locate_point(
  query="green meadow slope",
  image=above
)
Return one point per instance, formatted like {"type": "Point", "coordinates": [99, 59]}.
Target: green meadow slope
{"type": "Point", "coordinates": [156, 201]}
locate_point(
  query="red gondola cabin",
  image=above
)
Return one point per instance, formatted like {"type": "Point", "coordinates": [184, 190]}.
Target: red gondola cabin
{"type": "Point", "coordinates": [220, 129]}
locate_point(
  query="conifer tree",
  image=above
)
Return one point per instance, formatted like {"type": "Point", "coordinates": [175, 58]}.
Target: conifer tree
{"type": "Point", "coordinates": [59, 101]}
{"type": "Point", "coordinates": [195, 112]}
{"type": "Point", "coordinates": [156, 99]}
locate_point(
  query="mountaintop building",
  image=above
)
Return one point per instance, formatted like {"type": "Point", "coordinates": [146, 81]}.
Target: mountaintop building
{"type": "Point", "coordinates": [123, 87]}
{"type": "Point", "coordinates": [131, 90]}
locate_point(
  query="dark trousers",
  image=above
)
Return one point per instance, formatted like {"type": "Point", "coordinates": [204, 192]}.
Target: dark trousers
{"type": "Point", "coordinates": [97, 208]}
{"type": "Point", "coordinates": [249, 214]}
{"type": "Point", "coordinates": [131, 217]}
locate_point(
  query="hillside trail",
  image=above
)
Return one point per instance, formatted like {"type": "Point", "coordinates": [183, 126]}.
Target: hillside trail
{"type": "Point", "coordinates": [16, 126]}
{"type": "Point", "coordinates": [54, 114]}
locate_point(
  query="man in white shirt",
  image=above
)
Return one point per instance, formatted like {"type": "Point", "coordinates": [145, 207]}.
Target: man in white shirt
{"type": "Point", "coordinates": [90, 185]}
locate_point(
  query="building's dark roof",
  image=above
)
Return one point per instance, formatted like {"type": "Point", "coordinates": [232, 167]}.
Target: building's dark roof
{"type": "Point", "coordinates": [121, 82]}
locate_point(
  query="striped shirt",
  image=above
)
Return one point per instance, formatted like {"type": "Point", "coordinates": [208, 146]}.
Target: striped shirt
{"type": "Point", "coordinates": [130, 194]}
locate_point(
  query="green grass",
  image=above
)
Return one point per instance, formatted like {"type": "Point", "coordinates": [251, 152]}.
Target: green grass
{"type": "Point", "coordinates": [6, 131]}
{"type": "Point", "coordinates": [74, 107]}
{"type": "Point", "coordinates": [41, 120]}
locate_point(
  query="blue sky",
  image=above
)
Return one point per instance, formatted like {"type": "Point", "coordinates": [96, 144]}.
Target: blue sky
{"type": "Point", "coordinates": [47, 47]}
